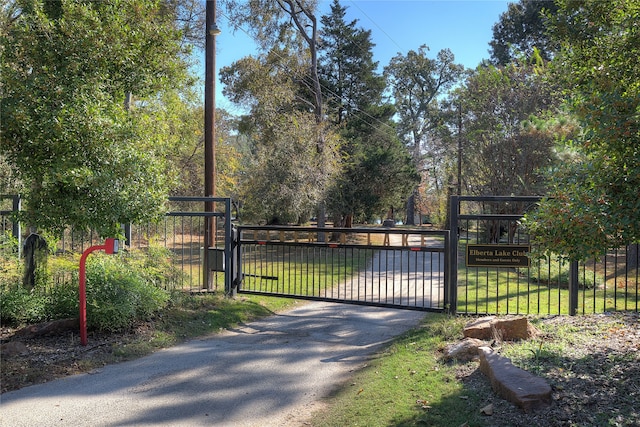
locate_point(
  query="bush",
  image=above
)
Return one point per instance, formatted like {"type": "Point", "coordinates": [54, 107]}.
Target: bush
{"type": "Point", "coordinates": [121, 289]}
{"type": "Point", "coordinates": [62, 301]}
{"type": "Point", "coordinates": [19, 305]}
{"type": "Point", "coordinates": [156, 266]}
{"type": "Point", "coordinates": [119, 294]}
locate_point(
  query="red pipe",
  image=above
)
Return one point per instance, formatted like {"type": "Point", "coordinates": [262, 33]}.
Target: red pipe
{"type": "Point", "coordinates": [110, 247]}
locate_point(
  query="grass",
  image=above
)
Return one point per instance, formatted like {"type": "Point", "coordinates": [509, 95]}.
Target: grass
{"type": "Point", "coordinates": [191, 316]}
{"type": "Point", "coordinates": [407, 385]}
{"type": "Point", "coordinates": [541, 289]}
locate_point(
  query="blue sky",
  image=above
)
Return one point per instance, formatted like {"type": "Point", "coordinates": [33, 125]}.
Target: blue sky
{"type": "Point", "coordinates": [463, 26]}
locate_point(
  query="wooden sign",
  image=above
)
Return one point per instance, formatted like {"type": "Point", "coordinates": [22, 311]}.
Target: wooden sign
{"type": "Point", "coordinates": [497, 255]}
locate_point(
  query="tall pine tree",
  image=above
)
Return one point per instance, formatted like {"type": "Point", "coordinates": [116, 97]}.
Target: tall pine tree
{"type": "Point", "coordinates": [378, 171]}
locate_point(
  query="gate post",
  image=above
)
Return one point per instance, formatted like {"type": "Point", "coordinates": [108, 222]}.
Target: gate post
{"type": "Point", "coordinates": [452, 268]}
{"type": "Point", "coordinates": [230, 260]}
{"type": "Point", "coordinates": [15, 224]}
{"type": "Point", "coordinates": [237, 253]}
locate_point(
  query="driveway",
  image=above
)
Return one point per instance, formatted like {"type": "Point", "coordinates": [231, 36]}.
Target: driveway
{"type": "Point", "coordinates": [272, 372]}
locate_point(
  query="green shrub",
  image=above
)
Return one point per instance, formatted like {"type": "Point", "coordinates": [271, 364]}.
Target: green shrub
{"type": "Point", "coordinates": [62, 301]}
{"type": "Point", "coordinates": [118, 293]}
{"type": "Point", "coordinates": [121, 289]}
{"type": "Point", "coordinates": [19, 305]}
{"type": "Point", "coordinates": [9, 245]}
{"type": "Point", "coordinates": [156, 266]}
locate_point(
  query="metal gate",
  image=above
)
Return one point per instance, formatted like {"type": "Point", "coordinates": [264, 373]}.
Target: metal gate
{"type": "Point", "coordinates": [495, 274]}
{"type": "Point", "coordinates": [388, 267]}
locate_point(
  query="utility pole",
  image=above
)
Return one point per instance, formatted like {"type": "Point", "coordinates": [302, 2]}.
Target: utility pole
{"type": "Point", "coordinates": [459, 192]}
{"type": "Point", "coordinates": [212, 31]}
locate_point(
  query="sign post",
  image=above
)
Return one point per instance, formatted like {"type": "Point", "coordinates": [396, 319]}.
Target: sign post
{"type": "Point", "coordinates": [110, 247]}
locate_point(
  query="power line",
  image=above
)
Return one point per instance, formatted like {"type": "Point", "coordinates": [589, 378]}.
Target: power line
{"type": "Point", "coordinates": [325, 90]}
{"type": "Point", "coordinates": [376, 24]}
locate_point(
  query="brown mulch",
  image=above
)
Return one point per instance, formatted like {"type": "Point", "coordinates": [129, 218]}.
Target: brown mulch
{"type": "Point", "coordinates": [592, 364]}
{"type": "Point", "coordinates": [58, 355]}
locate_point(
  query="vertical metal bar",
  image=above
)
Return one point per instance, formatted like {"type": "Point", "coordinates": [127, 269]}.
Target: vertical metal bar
{"type": "Point", "coordinates": [393, 279]}
{"type": "Point", "coordinates": [573, 288]}
{"type": "Point", "coordinates": [285, 269]}
{"type": "Point", "coordinates": [615, 278]}
{"type": "Point", "coordinates": [205, 253]}
{"type": "Point", "coordinates": [604, 285]}
{"type": "Point", "coordinates": [15, 224]}
{"type": "Point", "coordinates": [239, 259]}
{"type": "Point", "coordinates": [229, 260]}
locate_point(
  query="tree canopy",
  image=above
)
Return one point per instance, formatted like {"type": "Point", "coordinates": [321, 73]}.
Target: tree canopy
{"type": "Point", "coordinates": [508, 144]}
{"type": "Point", "coordinates": [521, 30]}
{"type": "Point", "coordinates": [594, 204]}
{"type": "Point", "coordinates": [416, 82]}
{"type": "Point", "coordinates": [377, 173]}
{"type": "Point", "coordinates": [84, 160]}
{"type": "Point", "coordinates": [323, 124]}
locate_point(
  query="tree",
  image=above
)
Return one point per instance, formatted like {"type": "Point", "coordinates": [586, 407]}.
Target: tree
{"type": "Point", "coordinates": [521, 29]}
{"type": "Point", "coordinates": [84, 159]}
{"type": "Point", "coordinates": [282, 185]}
{"type": "Point", "coordinates": [271, 22]}
{"type": "Point", "coordinates": [377, 172]}
{"type": "Point", "coordinates": [287, 175]}
{"type": "Point", "coordinates": [178, 115]}
{"type": "Point", "coordinates": [508, 143]}
{"type": "Point", "coordinates": [417, 81]}
{"type": "Point", "coordinates": [290, 26]}
{"type": "Point", "coordinates": [594, 203]}
{"type": "Point", "coordinates": [347, 69]}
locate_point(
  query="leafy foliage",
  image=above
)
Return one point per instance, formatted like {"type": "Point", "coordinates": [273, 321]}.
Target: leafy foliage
{"type": "Point", "coordinates": [377, 173]}
{"type": "Point", "coordinates": [594, 204]}
{"type": "Point", "coordinates": [289, 172]}
{"type": "Point", "coordinates": [521, 30]}
{"type": "Point", "coordinates": [67, 66]}
{"type": "Point", "coordinates": [19, 305]}
{"type": "Point", "coordinates": [117, 296]}
{"type": "Point", "coordinates": [508, 132]}
{"type": "Point", "coordinates": [121, 289]}
{"type": "Point", "coordinates": [417, 83]}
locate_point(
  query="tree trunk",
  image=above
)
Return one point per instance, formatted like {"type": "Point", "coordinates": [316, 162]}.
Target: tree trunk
{"type": "Point", "coordinates": [411, 210]}
{"type": "Point", "coordinates": [35, 259]}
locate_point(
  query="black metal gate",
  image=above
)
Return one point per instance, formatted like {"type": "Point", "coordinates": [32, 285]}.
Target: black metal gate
{"type": "Point", "coordinates": [495, 276]}
{"type": "Point", "coordinates": [370, 266]}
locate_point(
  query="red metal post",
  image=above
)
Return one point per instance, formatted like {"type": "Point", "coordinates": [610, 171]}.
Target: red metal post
{"type": "Point", "coordinates": [110, 247]}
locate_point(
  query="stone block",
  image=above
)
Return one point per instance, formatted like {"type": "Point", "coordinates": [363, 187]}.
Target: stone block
{"type": "Point", "coordinates": [502, 329]}
{"type": "Point", "coordinates": [516, 385]}
{"type": "Point", "coordinates": [465, 350]}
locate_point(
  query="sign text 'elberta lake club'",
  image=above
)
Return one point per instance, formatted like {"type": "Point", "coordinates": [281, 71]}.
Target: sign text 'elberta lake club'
{"type": "Point", "coordinates": [497, 255]}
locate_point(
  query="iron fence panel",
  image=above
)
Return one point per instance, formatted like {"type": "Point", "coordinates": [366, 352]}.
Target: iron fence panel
{"type": "Point", "coordinates": [547, 285]}
{"type": "Point", "coordinates": [372, 266]}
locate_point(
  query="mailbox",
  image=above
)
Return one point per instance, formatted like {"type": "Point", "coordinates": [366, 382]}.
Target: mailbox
{"type": "Point", "coordinates": [111, 246]}
{"type": "Point", "coordinates": [215, 257]}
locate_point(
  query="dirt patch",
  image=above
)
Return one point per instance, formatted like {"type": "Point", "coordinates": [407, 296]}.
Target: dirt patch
{"type": "Point", "coordinates": [55, 356]}
{"type": "Point", "coordinates": [592, 364]}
